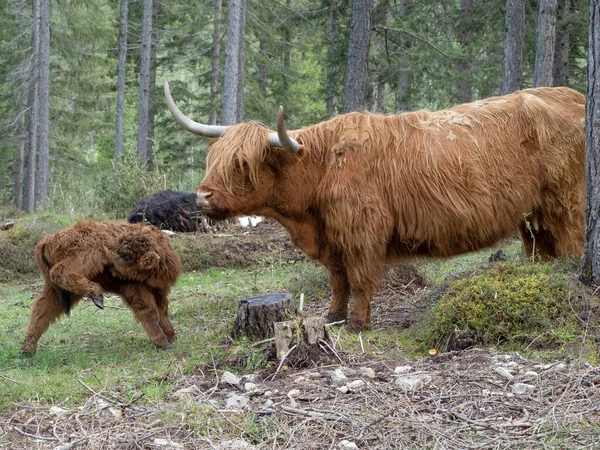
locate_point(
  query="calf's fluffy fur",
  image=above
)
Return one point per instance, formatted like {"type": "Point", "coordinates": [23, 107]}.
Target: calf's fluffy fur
{"type": "Point", "coordinates": [89, 258]}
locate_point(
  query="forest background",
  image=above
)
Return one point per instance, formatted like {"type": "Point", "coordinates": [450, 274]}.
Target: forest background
{"type": "Point", "coordinates": [82, 117]}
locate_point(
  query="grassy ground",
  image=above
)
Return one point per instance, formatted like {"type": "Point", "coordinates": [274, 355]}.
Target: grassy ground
{"type": "Point", "coordinates": [108, 348]}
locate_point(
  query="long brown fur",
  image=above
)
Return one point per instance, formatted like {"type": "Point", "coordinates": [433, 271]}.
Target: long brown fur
{"type": "Point", "coordinates": [366, 189]}
{"type": "Point", "coordinates": [89, 258]}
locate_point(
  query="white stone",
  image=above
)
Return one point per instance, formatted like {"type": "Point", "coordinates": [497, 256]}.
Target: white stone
{"type": "Point", "coordinates": [560, 367]}
{"type": "Point", "coordinates": [236, 401]}
{"type": "Point", "coordinates": [268, 394]}
{"type": "Point", "coordinates": [367, 372]}
{"type": "Point", "coordinates": [413, 382]}
{"type": "Point", "coordinates": [347, 445]}
{"type": "Point", "coordinates": [230, 378]}
{"type": "Point", "coordinates": [294, 393]}
{"type": "Point", "coordinates": [503, 373]}
{"type": "Point", "coordinates": [185, 393]}
{"type": "Point", "coordinates": [522, 388]}
{"type": "Point", "coordinates": [268, 403]}
{"type": "Point", "coordinates": [339, 377]}
{"type": "Point", "coordinates": [532, 374]}
{"type": "Point", "coordinates": [355, 385]}
{"type": "Point", "coordinates": [249, 386]}
{"type": "Point", "coordinates": [402, 369]}
{"type": "Point", "coordinates": [235, 444]}
{"type": "Point", "coordinates": [343, 389]}
{"type": "Point", "coordinates": [167, 444]}
{"type": "Point", "coordinates": [58, 411]}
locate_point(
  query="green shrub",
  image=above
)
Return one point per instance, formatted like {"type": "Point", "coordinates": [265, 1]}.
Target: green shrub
{"type": "Point", "coordinates": [16, 252]}
{"type": "Point", "coordinates": [118, 192]}
{"type": "Point", "coordinates": [509, 303]}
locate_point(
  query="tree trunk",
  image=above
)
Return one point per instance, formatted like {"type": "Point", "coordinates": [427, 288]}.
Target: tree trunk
{"type": "Point", "coordinates": [333, 18]}
{"type": "Point", "coordinates": [121, 73]}
{"type": "Point", "coordinates": [33, 113]}
{"type": "Point", "coordinates": [403, 99]}
{"type": "Point", "coordinates": [262, 68]}
{"type": "Point", "coordinates": [544, 46]}
{"type": "Point", "coordinates": [512, 77]}
{"type": "Point", "coordinates": [561, 46]}
{"type": "Point", "coordinates": [590, 260]}
{"type": "Point", "coordinates": [43, 170]}
{"type": "Point", "coordinates": [465, 65]}
{"type": "Point", "coordinates": [151, 103]}
{"type": "Point", "coordinates": [355, 87]}
{"type": "Point", "coordinates": [241, 70]}
{"type": "Point", "coordinates": [232, 62]}
{"type": "Point", "coordinates": [287, 37]}
{"type": "Point", "coordinates": [144, 100]}
{"type": "Point", "coordinates": [256, 315]}
{"type": "Point", "coordinates": [214, 63]}
{"type": "Point", "coordinates": [18, 165]}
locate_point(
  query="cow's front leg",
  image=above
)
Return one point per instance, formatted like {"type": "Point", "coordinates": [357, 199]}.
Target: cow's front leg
{"type": "Point", "coordinates": [364, 274]}
{"type": "Point", "coordinates": [338, 310]}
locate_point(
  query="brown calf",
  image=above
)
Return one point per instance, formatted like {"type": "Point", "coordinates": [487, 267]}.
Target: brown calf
{"type": "Point", "coordinates": [134, 261]}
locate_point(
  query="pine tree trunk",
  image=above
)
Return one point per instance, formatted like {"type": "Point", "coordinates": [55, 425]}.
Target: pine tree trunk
{"type": "Point", "coordinates": [144, 96]}
{"type": "Point", "coordinates": [214, 62]}
{"type": "Point", "coordinates": [287, 37]}
{"type": "Point", "coordinates": [241, 69]}
{"type": "Point", "coordinates": [33, 113]}
{"type": "Point", "coordinates": [333, 18]}
{"type": "Point", "coordinates": [262, 68]}
{"type": "Point", "coordinates": [355, 87]}
{"type": "Point", "coordinates": [561, 46]}
{"type": "Point", "coordinates": [19, 163]}
{"type": "Point", "coordinates": [590, 261]}
{"type": "Point", "coordinates": [232, 63]}
{"type": "Point", "coordinates": [403, 93]}
{"type": "Point", "coordinates": [465, 65]}
{"type": "Point", "coordinates": [43, 169]}
{"type": "Point", "coordinates": [512, 77]}
{"type": "Point", "coordinates": [121, 74]}
{"type": "Point", "coordinates": [544, 46]}
{"type": "Point", "coordinates": [151, 103]}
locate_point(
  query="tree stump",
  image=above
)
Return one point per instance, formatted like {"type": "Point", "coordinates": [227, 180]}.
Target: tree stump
{"type": "Point", "coordinates": [303, 343]}
{"type": "Point", "coordinates": [256, 315]}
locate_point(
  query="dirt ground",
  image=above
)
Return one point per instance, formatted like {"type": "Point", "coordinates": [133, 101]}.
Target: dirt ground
{"type": "Point", "coordinates": [472, 399]}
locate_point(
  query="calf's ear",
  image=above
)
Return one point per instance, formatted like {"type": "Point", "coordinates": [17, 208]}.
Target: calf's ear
{"type": "Point", "coordinates": [149, 261]}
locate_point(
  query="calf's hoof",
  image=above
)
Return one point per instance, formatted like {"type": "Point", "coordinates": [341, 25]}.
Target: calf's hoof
{"type": "Point", "coordinates": [164, 345]}
{"type": "Point", "coordinates": [28, 350]}
{"type": "Point", "coordinates": [97, 300]}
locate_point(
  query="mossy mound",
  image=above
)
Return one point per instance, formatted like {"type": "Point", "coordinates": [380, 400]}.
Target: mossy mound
{"type": "Point", "coordinates": [516, 305]}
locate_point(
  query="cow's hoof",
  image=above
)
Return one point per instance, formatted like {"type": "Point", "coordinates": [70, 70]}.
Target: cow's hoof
{"type": "Point", "coordinates": [166, 346]}
{"type": "Point", "coordinates": [97, 300]}
{"type": "Point", "coordinates": [172, 338]}
{"type": "Point", "coordinates": [331, 318]}
{"type": "Point", "coordinates": [355, 325]}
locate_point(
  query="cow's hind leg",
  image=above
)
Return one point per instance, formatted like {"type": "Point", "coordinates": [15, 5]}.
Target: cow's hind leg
{"type": "Point", "coordinates": [143, 304]}
{"type": "Point", "coordinates": [46, 309]}
{"type": "Point", "coordinates": [162, 303]}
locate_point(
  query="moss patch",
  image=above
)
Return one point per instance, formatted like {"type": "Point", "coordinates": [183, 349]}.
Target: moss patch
{"type": "Point", "coordinates": [536, 305]}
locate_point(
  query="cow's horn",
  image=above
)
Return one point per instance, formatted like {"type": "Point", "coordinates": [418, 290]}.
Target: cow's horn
{"type": "Point", "coordinates": [213, 131]}
{"type": "Point", "coordinates": [281, 138]}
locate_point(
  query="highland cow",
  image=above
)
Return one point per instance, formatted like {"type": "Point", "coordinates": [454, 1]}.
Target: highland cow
{"type": "Point", "coordinates": [360, 190]}
{"type": "Point", "coordinates": [134, 261]}
{"type": "Point", "coordinates": [168, 210]}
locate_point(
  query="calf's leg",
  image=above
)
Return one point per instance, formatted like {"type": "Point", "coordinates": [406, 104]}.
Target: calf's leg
{"type": "Point", "coordinates": [46, 309]}
{"type": "Point", "coordinates": [144, 307]}
{"type": "Point", "coordinates": [162, 303]}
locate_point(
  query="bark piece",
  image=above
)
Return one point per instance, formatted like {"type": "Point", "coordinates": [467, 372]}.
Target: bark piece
{"type": "Point", "coordinates": [302, 343]}
{"type": "Point", "coordinates": [256, 315]}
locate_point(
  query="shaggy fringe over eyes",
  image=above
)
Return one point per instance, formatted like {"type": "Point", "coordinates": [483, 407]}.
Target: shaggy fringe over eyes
{"type": "Point", "coordinates": [245, 142]}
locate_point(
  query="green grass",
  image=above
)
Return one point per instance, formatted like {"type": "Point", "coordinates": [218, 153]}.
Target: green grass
{"type": "Point", "coordinates": [108, 349]}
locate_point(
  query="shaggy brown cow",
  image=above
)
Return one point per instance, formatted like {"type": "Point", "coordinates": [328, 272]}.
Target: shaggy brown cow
{"type": "Point", "coordinates": [360, 190]}
{"type": "Point", "coordinates": [134, 261]}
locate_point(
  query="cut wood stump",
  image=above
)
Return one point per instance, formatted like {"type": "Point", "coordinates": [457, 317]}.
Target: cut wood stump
{"type": "Point", "coordinates": [256, 315]}
{"type": "Point", "coordinates": [304, 342]}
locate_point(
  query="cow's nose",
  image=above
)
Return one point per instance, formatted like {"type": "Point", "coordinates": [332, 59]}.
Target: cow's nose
{"type": "Point", "coordinates": [201, 199]}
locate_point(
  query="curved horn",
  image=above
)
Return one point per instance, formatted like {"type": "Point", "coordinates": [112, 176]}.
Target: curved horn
{"type": "Point", "coordinates": [281, 138]}
{"type": "Point", "coordinates": [213, 131]}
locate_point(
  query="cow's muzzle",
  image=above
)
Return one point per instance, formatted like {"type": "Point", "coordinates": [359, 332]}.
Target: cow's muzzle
{"type": "Point", "coordinates": [201, 199]}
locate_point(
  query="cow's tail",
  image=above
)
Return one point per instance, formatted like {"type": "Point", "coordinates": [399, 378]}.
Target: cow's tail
{"type": "Point", "coordinates": [45, 266]}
